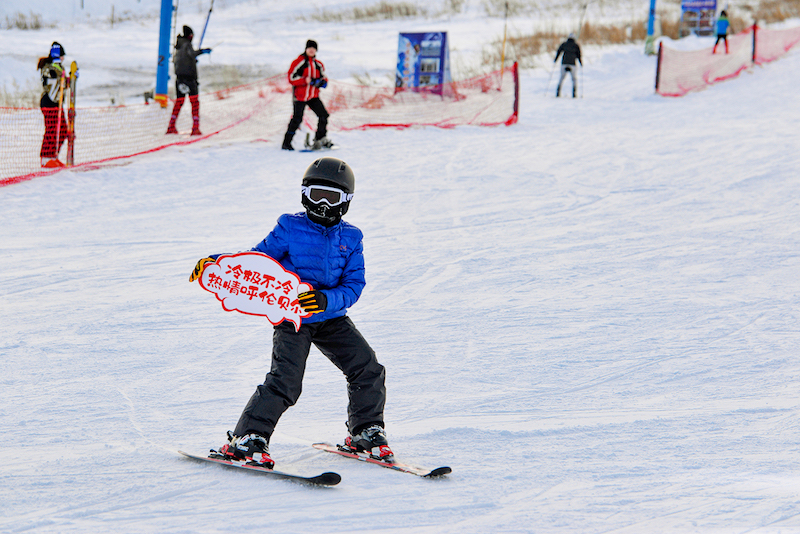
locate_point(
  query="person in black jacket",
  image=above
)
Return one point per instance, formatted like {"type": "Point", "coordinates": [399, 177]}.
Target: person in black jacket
{"type": "Point", "coordinates": [572, 52]}
{"type": "Point", "coordinates": [186, 84]}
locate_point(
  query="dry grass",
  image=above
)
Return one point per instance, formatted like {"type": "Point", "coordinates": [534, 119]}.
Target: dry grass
{"type": "Point", "coordinates": [219, 77]}
{"type": "Point", "coordinates": [670, 28]}
{"type": "Point", "coordinates": [497, 8]}
{"type": "Point", "coordinates": [525, 48]}
{"type": "Point", "coordinates": [21, 97]}
{"type": "Point", "coordinates": [386, 10]}
{"type": "Point", "coordinates": [21, 21]}
{"type": "Point", "coordinates": [381, 11]}
{"type": "Point", "coordinates": [776, 10]}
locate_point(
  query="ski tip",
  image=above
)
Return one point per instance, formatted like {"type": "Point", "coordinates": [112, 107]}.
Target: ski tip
{"type": "Point", "coordinates": [438, 472]}
{"type": "Point", "coordinates": [326, 479]}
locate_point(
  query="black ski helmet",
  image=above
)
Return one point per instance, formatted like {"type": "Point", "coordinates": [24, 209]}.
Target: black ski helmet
{"type": "Point", "coordinates": [330, 172]}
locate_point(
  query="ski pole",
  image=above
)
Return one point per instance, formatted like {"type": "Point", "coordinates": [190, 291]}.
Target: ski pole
{"type": "Point", "coordinates": [60, 109]}
{"type": "Point", "coordinates": [206, 26]}
{"type": "Point", "coordinates": [581, 80]}
{"type": "Point", "coordinates": [503, 53]}
{"type": "Point", "coordinates": [550, 79]}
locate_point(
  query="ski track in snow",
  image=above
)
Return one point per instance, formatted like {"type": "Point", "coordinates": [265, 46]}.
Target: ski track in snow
{"type": "Point", "coordinates": [591, 316]}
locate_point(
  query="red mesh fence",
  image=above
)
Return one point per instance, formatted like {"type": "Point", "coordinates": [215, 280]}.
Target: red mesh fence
{"type": "Point", "coordinates": [680, 72]}
{"type": "Point", "coordinates": [772, 44]}
{"type": "Point", "coordinates": [256, 111]}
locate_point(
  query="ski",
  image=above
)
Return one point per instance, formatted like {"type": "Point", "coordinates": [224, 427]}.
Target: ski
{"type": "Point", "coordinates": [73, 79]}
{"type": "Point", "coordinates": [61, 85]}
{"type": "Point", "coordinates": [395, 465]}
{"type": "Point", "coordinates": [308, 146]}
{"type": "Point", "coordinates": [324, 149]}
{"type": "Point", "coordinates": [325, 479]}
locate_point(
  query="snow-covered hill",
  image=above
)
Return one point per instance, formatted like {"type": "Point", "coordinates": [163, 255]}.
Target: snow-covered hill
{"type": "Point", "coordinates": [591, 316]}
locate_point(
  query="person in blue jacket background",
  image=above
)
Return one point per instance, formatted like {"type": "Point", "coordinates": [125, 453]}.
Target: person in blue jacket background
{"type": "Point", "coordinates": [722, 30]}
{"type": "Point", "coordinates": [327, 253]}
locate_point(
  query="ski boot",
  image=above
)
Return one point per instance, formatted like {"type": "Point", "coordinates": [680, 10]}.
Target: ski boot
{"type": "Point", "coordinates": [372, 440]}
{"type": "Point", "coordinates": [287, 141]}
{"type": "Point", "coordinates": [51, 163]}
{"type": "Point", "coordinates": [252, 448]}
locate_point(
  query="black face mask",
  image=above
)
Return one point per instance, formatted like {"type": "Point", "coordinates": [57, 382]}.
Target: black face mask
{"type": "Point", "coordinates": [325, 215]}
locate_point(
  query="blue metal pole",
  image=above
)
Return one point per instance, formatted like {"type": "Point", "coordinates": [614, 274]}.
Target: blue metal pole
{"type": "Point", "coordinates": [162, 71]}
{"type": "Point", "coordinates": [649, 47]}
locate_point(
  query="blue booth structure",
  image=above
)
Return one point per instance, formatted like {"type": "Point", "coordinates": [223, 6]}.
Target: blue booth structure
{"type": "Point", "coordinates": [698, 17]}
{"type": "Point", "coordinates": [423, 62]}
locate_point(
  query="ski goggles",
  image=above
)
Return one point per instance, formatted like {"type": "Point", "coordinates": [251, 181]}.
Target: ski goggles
{"type": "Point", "coordinates": [329, 195]}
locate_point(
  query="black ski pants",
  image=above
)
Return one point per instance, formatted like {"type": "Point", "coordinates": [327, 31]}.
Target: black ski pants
{"type": "Point", "coordinates": [317, 107]}
{"type": "Point", "coordinates": [340, 341]}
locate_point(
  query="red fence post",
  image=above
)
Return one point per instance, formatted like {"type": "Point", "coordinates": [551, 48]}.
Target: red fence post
{"type": "Point", "coordinates": [516, 91]}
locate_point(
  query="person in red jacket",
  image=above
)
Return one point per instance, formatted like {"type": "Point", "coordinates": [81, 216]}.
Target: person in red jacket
{"type": "Point", "coordinates": [307, 76]}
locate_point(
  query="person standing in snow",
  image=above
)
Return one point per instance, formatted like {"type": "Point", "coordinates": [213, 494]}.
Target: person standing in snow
{"type": "Point", "coordinates": [186, 84]}
{"type": "Point", "coordinates": [307, 76]}
{"type": "Point", "coordinates": [327, 253]}
{"type": "Point", "coordinates": [722, 27]}
{"type": "Point", "coordinates": [572, 53]}
{"type": "Point", "coordinates": [54, 80]}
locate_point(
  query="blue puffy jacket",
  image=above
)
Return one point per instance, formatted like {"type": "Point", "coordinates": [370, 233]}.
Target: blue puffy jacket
{"type": "Point", "coordinates": [722, 26]}
{"type": "Point", "coordinates": [330, 259]}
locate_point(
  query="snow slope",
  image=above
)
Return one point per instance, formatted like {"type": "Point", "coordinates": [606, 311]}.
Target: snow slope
{"type": "Point", "coordinates": [592, 316]}
{"type": "Point", "coordinates": [258, 36]}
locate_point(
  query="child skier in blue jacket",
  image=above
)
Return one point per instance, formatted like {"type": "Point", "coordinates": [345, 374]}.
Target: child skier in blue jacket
{"type": "Point", "coordinates": [325, 252]}
{"type": "Point", "coordinates": [722, 31]}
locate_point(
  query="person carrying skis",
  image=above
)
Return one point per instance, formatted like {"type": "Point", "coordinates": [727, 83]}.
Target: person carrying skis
{"type": "Point", "coordinates": [307, 76]}
{"type": "Point", "coordinates": [54, 80]}
{"type": "Point", "coordinates": [722, 26]}
{"type": "Point", "coordinates": [327, 253]}
{"type": "Point", "coordinates": [572, 52]}
{"type": "Point", "coordinates": [186, 84]}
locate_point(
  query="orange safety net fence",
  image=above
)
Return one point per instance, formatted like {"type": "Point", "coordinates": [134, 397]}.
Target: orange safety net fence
{"type": "Point", "coordinates": [680, 72]}
{"type": "Point", "coordinates": [256, 111]}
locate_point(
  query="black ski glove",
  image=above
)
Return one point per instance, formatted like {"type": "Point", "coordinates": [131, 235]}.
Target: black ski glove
{"type": "Point", "coordinates": [313, 301]}
{"type": "Point", "coordinates": [201, 265]}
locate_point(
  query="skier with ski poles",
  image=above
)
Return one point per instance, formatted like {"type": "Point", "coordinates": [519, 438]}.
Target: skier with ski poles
{"type": "Point", "coordinates": [307, 76]}
{"type": "Point", "coordinates": [54, 81]}
{"type": "Point", "coordinates": [326, 253]}
{"type": "Point", "coordinates": [186, 83]}
{"type": "Point", "coordinates": [572, 53]}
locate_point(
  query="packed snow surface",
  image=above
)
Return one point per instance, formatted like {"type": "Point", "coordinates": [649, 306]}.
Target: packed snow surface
{"type": "Point", "coordinates": [592, 316]}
